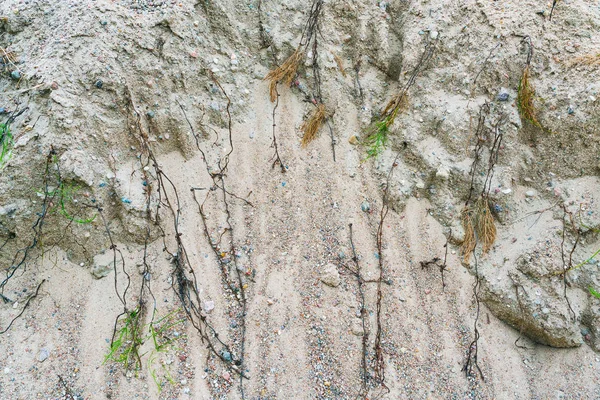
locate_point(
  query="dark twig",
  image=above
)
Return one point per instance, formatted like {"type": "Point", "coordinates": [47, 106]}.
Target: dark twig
{"type": "Point", "coordinates": [517, 286]}
{"type": "Point", "coordinates": [24, 307]}
{"type": "Point", "coordinates": [363, 316]}
{"type": "Point", "coordinates": [277, 158]}
{"type": "Point", "coordinates": [567, 264]}
{"type": "Point", "coordinates": [485, 62]}
{"type": "Point", "coordinates": [554, 3]}
{"type": "Point", "coordinates": [68, 392]}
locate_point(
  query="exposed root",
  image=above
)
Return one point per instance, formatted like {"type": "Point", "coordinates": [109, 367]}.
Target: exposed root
{"type": "Point", "coordinates": [312, 125]}
{"type": "Point", "coordinates": [379, 361]}
{"type": "Point", "coordinates": [363, 315]}
{"type": "Point", "coordinates": [471, 366]}
{"type": "Point", "coordinates": [276, 157]}
{"type": "Point", "coordinates": [284, 73]}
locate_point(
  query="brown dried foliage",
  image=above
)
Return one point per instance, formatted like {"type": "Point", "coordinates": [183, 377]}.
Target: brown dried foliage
{"type": "Point", "coordinates": [284, 73]}
{"type": "Point", "coordinates": [486, 229]}
{"type": "Point", "coordinates": [394, 106]}
{"type": "Point", "coordinates": [591, 60]}
{"type": "Point", "coordinates": [340, 64]}
{"type": "Point", "coordinates": [311, 125]}
{"type": "Point", "coordinates": [469, 242]}
{"type": "Point", "coordinates": [525, 96]}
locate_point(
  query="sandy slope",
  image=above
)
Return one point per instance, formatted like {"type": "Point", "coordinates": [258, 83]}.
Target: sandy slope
{"type": "Point", "coordinates": [303, 338]}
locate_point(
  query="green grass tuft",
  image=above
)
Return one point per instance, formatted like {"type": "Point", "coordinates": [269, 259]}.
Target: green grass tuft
{"type": "Point", "coordinates": [377, 140]}
{"type": "Point", "coordinates": [6, 145]}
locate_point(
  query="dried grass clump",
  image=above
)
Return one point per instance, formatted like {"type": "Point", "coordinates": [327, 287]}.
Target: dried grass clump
{"type": "Point", "coordinates": [486, 229]}
{"type": "Point", "coordinates": [525, 95]}
{"type": "Point", "coordinates": [478, 219]}
{"type": "Point", "coordinates": [284, 73]}
{"type": "Point", "coordinates": [469, 242]}
{"type": "Point", "coordinates": [590, 60]}
{"type": "Point", "coordinates": [340, 64]}
{"type": "Point", "coordinates": [311, 125]}
{"type": "Point", "coordinates": [8, 57]}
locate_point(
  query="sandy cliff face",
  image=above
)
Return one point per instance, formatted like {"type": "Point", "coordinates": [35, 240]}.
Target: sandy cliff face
{"type": "Point", "coordinates": [168, 230]}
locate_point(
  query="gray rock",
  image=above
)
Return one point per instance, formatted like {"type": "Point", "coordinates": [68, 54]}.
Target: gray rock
{"type": "Point", "coordinates": [540, 313]}
{"type": "Point", "coordinates": [365, 206]}
{"type": "Point", "coordinates": [209, 305]}
{"type": "Point", "coordinates": [226, 355]}
{"type": "Point", "coordinates": [503, 95]}
{"type": "Point", "coordinates": [8, 209]}
{"type": "Point", "coordinates": [43, 356]}
{"type": "Point", "coordinates": [331, 276]}
{"type": "Point", "coordinates": [16, 75]}
{"type": "Point", "coordinates": [103, 265]}
{"type": "Point", "coordinates": [443, 172]}
{"type": "Point", "coordinates": [357, 327]}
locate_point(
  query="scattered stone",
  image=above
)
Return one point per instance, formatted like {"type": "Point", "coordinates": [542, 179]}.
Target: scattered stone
{"type": "Point", "coordinates": [530, 193]}
{"type": "Point", "coordinates": [365, 206]}
{"type": "Point", "coordinates": [443, 172]}
{"type": "Point", "coordinates": [357, 327]}
{"type": "Point", "coordinates": [226, 355]}
{"type": "Point", "coordinates": [353, 140]}
{"type": "Point", "coordinates": [503, 95]}
{"type": "Point", "coordinates": [16, 75]}
{"type": "Point", "coordinates": [209, 305]}
{"type": "Point", "coordinates": [150, 114]}
{"type": "Point", "coordinates": [99, 84]}
{"type": "Point", "coordinates": [43, 356]}
{"type": "Point", "coordinates": [585, 331]}
{"type": "Point", "coordinates": [103, 265]}
{"type": "Point", "coordinates": [331, 276]}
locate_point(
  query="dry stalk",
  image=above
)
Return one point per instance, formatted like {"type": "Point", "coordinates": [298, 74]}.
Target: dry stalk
{"type": "Point", "coordinates": [312, 125]}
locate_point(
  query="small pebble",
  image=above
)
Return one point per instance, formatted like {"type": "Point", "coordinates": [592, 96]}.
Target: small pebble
{"type": "Point", "coordinates": [503, 95]}
{"type": "Point", "coordinates": [365, 206]}
{"type": "Point", "coordinates": [43, 356]}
